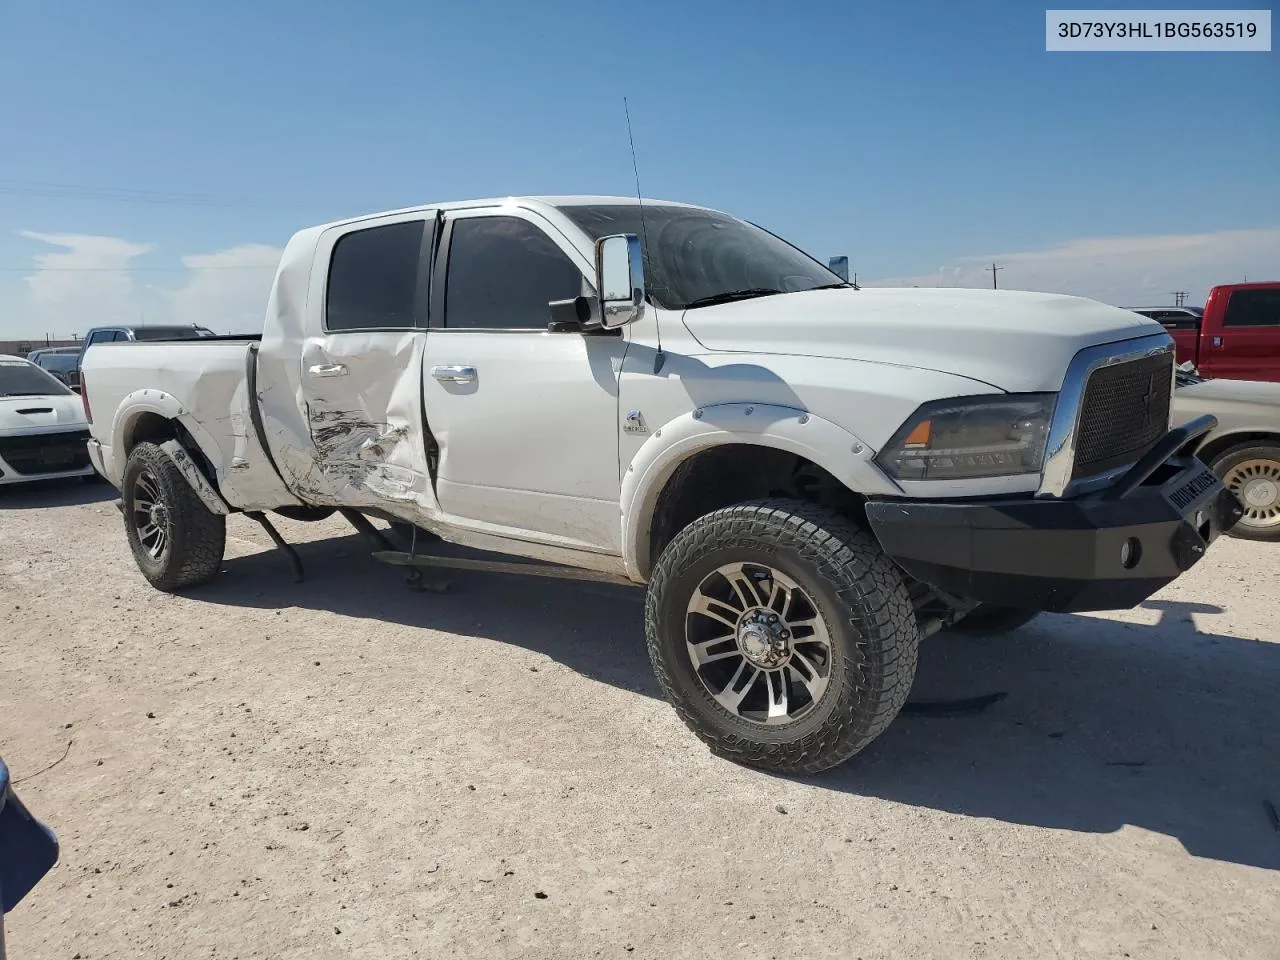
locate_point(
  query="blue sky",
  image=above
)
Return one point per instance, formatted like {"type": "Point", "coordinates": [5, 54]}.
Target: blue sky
{"type": "Point", "coordinates": [914, 137]}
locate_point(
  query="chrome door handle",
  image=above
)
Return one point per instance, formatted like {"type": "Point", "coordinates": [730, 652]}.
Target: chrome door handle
{"type": "Point", "coordinates": [328, 370]}
{"type": "Point", "coordinates": [454, 374]}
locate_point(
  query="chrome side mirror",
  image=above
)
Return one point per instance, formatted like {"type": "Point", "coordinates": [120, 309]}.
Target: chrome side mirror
{"type": "Point", "coordinates": [620, 279]}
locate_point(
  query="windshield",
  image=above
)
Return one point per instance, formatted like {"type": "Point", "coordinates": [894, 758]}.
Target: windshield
{"type": "Point", "coordinates": [694, 257]}
{"type": "Point", "coordinates": [170, 333]}
{"type": "Point", "coordinates": [28, 380]}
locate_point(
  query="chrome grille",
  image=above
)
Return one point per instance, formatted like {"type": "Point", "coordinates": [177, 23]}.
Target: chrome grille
{"type": "Point", "coordinates": [1125, 410]}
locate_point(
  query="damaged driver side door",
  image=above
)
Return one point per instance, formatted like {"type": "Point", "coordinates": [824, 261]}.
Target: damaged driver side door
{"type": "Point", "coordinates": [361, 370]}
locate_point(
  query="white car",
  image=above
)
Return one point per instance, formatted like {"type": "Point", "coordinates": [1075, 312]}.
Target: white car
{"type": "Point", "coordinates": [42, 426]}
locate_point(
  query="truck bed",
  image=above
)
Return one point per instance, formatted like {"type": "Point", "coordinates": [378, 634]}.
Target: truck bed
{"type": "Point", "coordinates": [200, 383]}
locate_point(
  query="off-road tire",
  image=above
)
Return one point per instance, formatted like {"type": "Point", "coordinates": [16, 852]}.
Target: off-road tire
{"type": "Point", "coordinates": [197, 537]}
{"type": "Point", "coordinates": [1222, 465]}
{"type": "Point", "coordinates": [860, 596]}
{"type": "Point", "coordinates": [992, 621]}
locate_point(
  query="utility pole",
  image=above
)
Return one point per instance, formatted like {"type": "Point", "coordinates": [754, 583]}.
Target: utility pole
{"type": "Point", "coordinates": [992, 269]}
{"type": "Point", "coordinates": [1179, 297]}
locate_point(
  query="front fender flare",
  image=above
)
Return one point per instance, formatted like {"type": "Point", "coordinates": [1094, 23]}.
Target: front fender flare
{"type": "Point", "coordinates": [820, 441]}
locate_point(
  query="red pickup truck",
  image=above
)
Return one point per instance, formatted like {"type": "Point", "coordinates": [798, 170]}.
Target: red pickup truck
{"type": "Point", "coordinates": [1235, 336]}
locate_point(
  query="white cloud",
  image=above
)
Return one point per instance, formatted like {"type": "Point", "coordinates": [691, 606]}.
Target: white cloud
{"type": "Point", "coordinates": [84, 284]}
{"type": "Point", "coordinates": [93, 281]}
{"type": "Point", "coordinates": [1125, 271]}
{"type": "Point", "coordinates": [226, 291]}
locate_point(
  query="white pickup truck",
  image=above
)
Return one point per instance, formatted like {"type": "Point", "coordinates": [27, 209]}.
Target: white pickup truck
{"type": "Point", "coordinates": [808, 476]}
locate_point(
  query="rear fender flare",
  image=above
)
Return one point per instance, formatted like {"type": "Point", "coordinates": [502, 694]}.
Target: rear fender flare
{"type": "Point", "coordinates": [192, 474]}
{"type": "Point", "coordinates": [162, 404]}
{"type": "Point", "coordinates": [797, 431]}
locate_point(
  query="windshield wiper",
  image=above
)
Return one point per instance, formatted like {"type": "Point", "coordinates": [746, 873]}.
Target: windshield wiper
{"type": "Point", "coordinates": [27, 393]}
{"type": "Point", "coordinates": [833, 286]}
{"type": "Point", "coordinates": [730, 295]}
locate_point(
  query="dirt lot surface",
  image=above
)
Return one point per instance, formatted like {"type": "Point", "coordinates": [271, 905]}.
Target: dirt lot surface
{"type": "Point", "coordinates": [346, 768]}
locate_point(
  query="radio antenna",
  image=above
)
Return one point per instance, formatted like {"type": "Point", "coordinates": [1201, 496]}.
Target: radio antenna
{"type": "Point", "coordinates": [659, 357]}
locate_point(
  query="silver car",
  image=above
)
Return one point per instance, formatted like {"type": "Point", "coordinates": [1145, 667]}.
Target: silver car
{"type": "Point", "coordinates": [1244, 448]}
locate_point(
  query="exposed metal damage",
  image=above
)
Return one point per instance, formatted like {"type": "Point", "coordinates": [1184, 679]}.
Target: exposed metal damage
{"type": "Point", "coordinates": [354, 452]}
{"type": "Point", "coordinates": [193, 475]}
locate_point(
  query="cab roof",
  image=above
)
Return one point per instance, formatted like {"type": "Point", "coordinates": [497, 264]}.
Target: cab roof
{"type": "Point", "coordinates": [568, 200]}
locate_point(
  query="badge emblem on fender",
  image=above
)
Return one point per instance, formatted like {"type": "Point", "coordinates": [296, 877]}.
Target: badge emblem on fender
{"type": "Point", "coordinates": [634, 423]}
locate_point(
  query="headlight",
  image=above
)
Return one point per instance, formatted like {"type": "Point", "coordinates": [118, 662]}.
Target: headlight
{"type": "Point", "coordinates": [969, 437]}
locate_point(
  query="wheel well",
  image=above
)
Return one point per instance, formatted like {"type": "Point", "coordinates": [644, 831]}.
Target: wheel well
{"type": "Point", "coordinates": [1220, 445]}
{"type": "Point", "coordinates": [735, 473]}
{"type": "Point", "coordinates": [155, 428]}
{"type": "Point", "coordinates": [151, 428]}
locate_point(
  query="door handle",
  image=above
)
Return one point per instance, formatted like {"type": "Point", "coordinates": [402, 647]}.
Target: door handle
{"type": "Point", "coordinates": [328, 370]}
{"type": "Point", "coordinates": [1217, 341]}
{"type": "Point", "coordinates": [454, 373]}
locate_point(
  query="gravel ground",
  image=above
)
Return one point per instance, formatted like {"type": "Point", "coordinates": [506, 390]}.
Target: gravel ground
{"type": "Point", "coordinates": [346, 768]}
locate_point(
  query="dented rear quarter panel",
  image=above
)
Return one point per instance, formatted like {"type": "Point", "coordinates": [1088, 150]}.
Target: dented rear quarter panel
{"type": "Point", "coordinates": [202, 386]}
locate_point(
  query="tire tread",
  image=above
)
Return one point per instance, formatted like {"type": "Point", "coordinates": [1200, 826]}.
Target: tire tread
{"type": "Point", "coordinates": [197, 535]}
{"type": "Point", "coordinates": [873, 595]}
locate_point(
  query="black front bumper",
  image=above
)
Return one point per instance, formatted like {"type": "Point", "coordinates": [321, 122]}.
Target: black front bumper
{"type": "Point", "coordinates": [1109, 550]}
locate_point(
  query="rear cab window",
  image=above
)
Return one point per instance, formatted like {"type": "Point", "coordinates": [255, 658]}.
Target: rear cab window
{"type": "Point", "coordinates": [168, 333]}
{"type": "Point", "coordinates": [373, 279]}
{"type": "Point", "coordinates": [1253, 308]}
{"type": "Point", "coordinates": [1176, 319]}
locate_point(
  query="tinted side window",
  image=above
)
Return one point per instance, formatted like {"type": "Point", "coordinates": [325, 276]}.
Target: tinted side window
{"type": "Point", "coordinates": [373, 278]}
{"type": "Point", "coordinates": [503, 271]}
{"type": "Point", "coordinates": [1253, 308]}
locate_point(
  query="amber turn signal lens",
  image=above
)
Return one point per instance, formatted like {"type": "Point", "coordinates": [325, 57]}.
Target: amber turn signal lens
{"type": "Point", "coordinates": [919, 437]}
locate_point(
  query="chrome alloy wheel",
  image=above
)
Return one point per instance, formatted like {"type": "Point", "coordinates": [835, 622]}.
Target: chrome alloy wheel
{"type": "Point", "coordinates": [758, 644]}
{"type": "Point", "coordinates": [150, 515]}
{"type": "Point", "coordinates": [1256, 483]}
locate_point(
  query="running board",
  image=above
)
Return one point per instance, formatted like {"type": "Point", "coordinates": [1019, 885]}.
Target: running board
{"type": "Point", "coordinates": [400, 558]}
